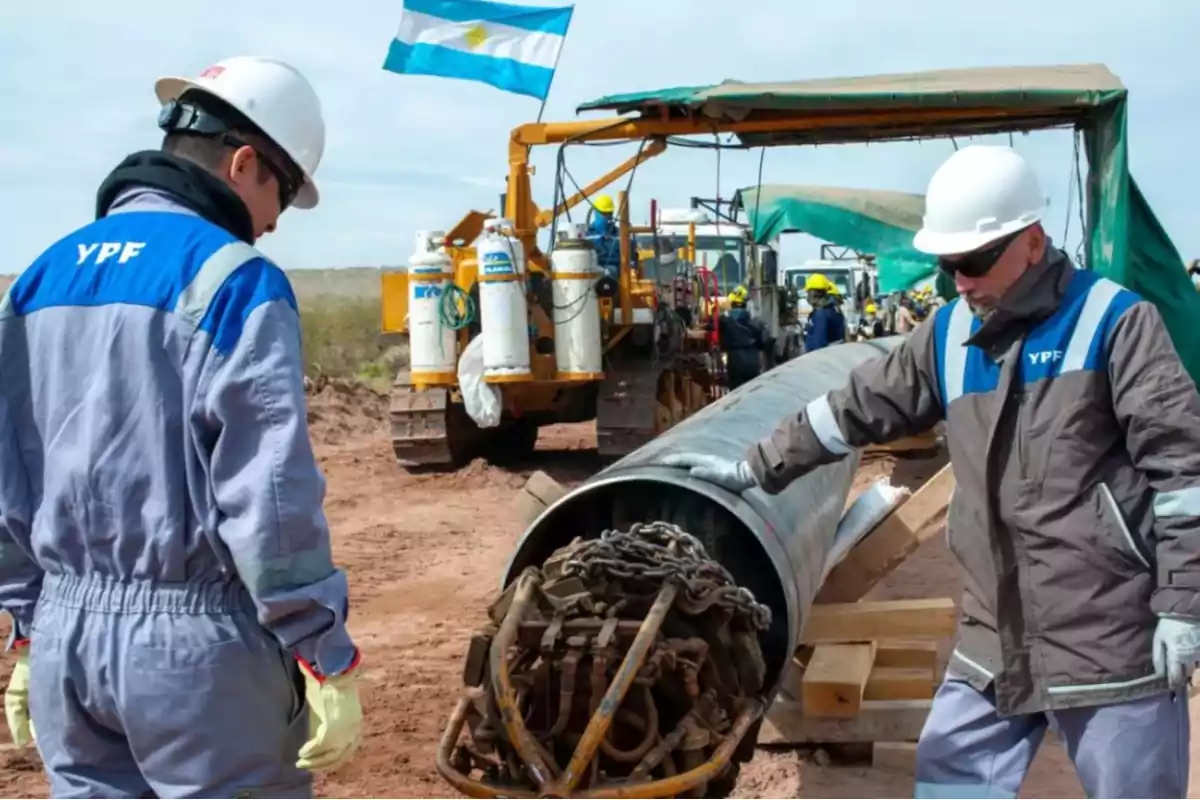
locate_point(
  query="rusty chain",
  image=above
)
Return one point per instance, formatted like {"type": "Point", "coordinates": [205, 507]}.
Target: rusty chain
{"type": "Point", "coordinates": [655, 552]}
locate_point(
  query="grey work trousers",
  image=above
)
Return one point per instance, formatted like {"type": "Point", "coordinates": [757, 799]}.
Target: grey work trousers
{"type": "Point", "coordinates": [1133, 749]}
{"type": "Point", "coordinates": [159, 690]}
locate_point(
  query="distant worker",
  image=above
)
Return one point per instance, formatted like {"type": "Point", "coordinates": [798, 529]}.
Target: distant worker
{"type": "Point", "coordinates": [1194, 273]}
{"type": "Point", "coordinates": [1074, 435]}
{"type": "Point", "coordinates": [906, 318]}
{"type": "Point", "coordinates": [605, 236]}
{"type": "Point", "coordinates": [869, 325]}
{"type": "Point", "coordinates": [743, 338]}
{"type": "Point", "coordinates": [826, 323]}
{"type": "Point", "coordinates": [179, 624]}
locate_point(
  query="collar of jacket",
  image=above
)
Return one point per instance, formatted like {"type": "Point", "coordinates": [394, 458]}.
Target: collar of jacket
{"type": "Point", "coordinates": [190, 184]}
{"type": "Point", "coordinates": [1035, 296]}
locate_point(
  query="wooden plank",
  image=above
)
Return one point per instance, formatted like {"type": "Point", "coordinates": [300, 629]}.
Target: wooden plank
{"type": "Point", "coordinates": [921, 442]}
{"type": "Point", "coordinates": [836, 678]}
{"type": "Point", "coordinates": [860, 622]}
{"type": "Point", "coordinates": [545, 488]}
{"type": "Point", "coordinates": [877, 721]}
{"type": "Point", "coordinates": [895, 756]}
{"type": "Point", "coordinates": [907, 654]}
{"type": "Point", "coordinates": [898, 683]}
{"type": "Point", "coordinates": [539, 493]}
{"type": "Point", "coordinates": [912, 523]}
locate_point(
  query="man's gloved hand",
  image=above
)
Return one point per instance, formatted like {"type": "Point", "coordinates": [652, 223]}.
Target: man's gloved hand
{"type": "Point", "coordinates": [334, 718]}
{"type": "Point", "coordinates": [735, 476]}
{"type": "Point", "coordinates": [1176, 649]}
{"type": "Point", "coordinates": [16, 699]}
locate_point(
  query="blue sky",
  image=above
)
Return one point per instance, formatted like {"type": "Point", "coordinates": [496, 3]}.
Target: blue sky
{"type": "Point", "coordinates": [408, 152]}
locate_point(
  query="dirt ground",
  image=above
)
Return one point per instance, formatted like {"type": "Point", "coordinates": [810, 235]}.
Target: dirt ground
{"type": "Point", "coordinates": [424, 555]}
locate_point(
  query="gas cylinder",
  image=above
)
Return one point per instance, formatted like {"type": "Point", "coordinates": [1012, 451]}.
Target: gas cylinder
{"type": "Point", "coordinates": [433, 354]}
{"type": "Point", "coordinates": [574, 271]}
{"type": "Point", "coordinates": [503, 313]}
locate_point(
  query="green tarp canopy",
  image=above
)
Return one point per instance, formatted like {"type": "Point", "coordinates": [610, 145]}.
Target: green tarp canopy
{"type": "Point", "coordinates": [1124, 239]}
{"type": "Point", "coordinates": [875, 222]}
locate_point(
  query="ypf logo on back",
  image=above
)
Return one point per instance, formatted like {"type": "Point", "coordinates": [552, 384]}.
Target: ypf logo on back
{"type": "Point", "coordinates": [99, 252]}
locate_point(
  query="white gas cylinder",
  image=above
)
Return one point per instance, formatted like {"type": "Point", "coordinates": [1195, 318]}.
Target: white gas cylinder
{"type": "Point", "coordinates": [574, 272]}
{"type": "Point", "coordinates": [503, 314]}
{"type": "Point", "coordinates": [432, 346]}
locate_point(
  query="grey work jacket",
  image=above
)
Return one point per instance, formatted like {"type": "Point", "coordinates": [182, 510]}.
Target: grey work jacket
{"type": "Point", "coordinates": [1074, 434]}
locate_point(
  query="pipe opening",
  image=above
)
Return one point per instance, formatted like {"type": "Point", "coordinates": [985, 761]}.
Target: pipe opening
{"type": "Point", "coordinates": [728, 539]}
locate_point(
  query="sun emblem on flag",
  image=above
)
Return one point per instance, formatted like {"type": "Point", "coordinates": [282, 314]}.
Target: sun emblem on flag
{"type": "Point", "coordinates": [476, 36]}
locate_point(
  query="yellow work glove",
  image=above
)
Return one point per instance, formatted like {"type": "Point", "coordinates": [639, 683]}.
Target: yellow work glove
{"type": "Point", "coordinates": [16, 699]}
{"type": "Point", "coordinates": [334, 719]}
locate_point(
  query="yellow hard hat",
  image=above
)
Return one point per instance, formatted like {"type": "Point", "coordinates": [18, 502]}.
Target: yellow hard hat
{"type": "Point", "coordinates": [738, 295]}
{"type": "Point", "coordinates": [604, 204]}
{"type": "Point", "coordinates": [871, 308]}
{"type": "Point", "coordinates": [817, 283]}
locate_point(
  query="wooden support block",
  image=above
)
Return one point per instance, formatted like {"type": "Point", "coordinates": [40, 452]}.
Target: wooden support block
{"type": "Point", "coordinates": [860, 622]}
{"type": "Point", "coordinates": [545, 488]}
{"type": "Point", "coordinates": [922, 654]}
{"type": "Point", "coordinates": [895, 538]}
{"type": "Point", "coordinates": [790, 685]}
{"type": "Point", "coordinates": [898, 683]}
{"type": "Point", "coordinates": [877, 721]}
{"type": "Point", "coordinates": [895, 756]}
{"type": "Point", "coordinates": [925, 441]}
{"type": "Point", "coordinates": [836, 678]}
{"type": "Point", "coordinates": [539, 493]}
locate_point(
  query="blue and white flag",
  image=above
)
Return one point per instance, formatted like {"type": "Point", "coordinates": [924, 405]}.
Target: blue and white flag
{"type": "Point", "coordinates": [514, 48]}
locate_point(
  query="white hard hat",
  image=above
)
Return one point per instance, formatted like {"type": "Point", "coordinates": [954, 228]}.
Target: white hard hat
{"type": "Point", "coordinates": [980, 194]}
{"type": "Point", "coordinates": [274, 96]}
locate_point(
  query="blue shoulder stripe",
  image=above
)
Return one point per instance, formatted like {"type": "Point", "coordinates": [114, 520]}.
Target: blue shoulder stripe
{"type": "Point", "coordinates": [144, 258]}
{"type": "Point", "coordinates": [251, 285]}
{"type": "Point", "coordinates": [1098, 352]}
{"type": "Point", "coordinates": [941, 330]}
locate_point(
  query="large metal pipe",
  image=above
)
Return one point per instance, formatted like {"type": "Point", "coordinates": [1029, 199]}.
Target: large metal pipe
{"type": "Point", "coordinates": [774, 545]}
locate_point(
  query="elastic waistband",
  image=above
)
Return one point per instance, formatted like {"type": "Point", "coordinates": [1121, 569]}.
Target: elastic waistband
{"type": "Point", "coordinates": [99, 593]}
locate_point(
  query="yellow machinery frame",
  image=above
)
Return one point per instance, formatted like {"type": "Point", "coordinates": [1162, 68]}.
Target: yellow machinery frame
{"type": "Point", "coordinates": [653, 131]}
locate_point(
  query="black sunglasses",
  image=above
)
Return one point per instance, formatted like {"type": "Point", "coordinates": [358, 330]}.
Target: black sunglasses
{"type": "Point", "coordinates": [178, 116]}
{"type": "Point", "coordinates": [977, 263]}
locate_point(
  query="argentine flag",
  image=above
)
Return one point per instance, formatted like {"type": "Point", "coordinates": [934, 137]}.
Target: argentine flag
{"type": "Point", "coordinates": [511, 47]}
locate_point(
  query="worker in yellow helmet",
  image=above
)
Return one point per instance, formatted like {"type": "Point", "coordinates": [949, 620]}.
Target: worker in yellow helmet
{"type": "Point", "coordinates": [742, 338]}
{"type": "Point", "coordinates": [603, 234]}
{"type": "Point", "coordinates": [869, 325]}
{"type": "Point", "coordinates": [826, 323]}
{"type": "Point", "coordinates": [817, 283]}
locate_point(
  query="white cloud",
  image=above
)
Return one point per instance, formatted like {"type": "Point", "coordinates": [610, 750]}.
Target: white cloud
{"type": "Point", "coordinates": [411, 152]}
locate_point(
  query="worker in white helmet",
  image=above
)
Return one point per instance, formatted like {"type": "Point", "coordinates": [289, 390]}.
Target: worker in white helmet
{"type": "Point", "coordinates": [1074, 433]}
{"type": "Point", "coordinates": [178, 622]}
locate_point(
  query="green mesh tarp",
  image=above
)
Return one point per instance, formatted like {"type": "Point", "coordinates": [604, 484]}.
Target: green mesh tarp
{"type": "Point", "coordinates": [1124, 240]}
{"type": "Point", "coordinates": [877, 222]}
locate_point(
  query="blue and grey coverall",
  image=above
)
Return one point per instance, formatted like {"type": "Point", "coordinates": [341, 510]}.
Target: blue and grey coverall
{"type": "Point", "coordinates": [826, 326]}
{"type": "Point", "coordinates": [603, 234]}
{"type": "Point", "coordinates": [162, 539]}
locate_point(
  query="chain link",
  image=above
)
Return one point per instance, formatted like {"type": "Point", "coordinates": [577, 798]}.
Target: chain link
{"type": "Point", "coordinates": [656, 552]}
